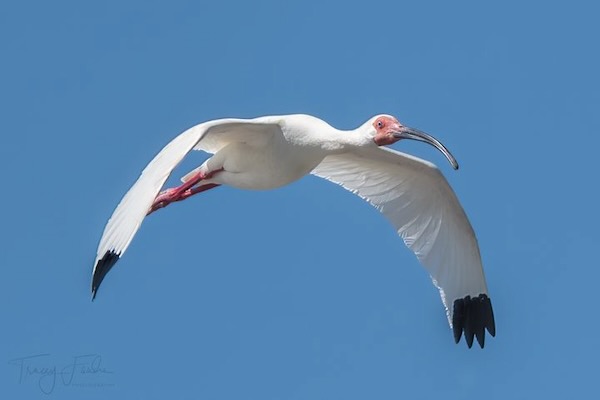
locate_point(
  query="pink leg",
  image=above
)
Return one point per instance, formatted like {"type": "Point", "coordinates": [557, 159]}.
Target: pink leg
{"type": "Point", "coordinates": [183, 191]}
{"type": "Point", "coordinates": [196, 190]}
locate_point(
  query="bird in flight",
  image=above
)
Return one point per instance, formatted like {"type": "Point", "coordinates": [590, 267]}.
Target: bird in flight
{"type": "Point", "coordinates": [273, 151]}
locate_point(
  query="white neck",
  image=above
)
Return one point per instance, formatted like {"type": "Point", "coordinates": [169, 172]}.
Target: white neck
{"type": "Point", "coordinates": [314, 132]}
{"type": "Point", "coordinates": [357, 137]}
{"type": "Point", "coordinates": [339, 140]}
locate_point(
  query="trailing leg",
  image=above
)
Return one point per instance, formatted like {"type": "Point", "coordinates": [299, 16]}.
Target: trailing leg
{"type": "Point", "coordinates": [182, 192]}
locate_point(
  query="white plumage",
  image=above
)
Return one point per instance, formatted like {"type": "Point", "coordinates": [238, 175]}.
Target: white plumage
{"type": "Point", "coordinates": [269, 152]}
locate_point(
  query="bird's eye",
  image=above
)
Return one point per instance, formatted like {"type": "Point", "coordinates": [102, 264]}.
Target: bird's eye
{"type": "Point", "coordinates": [380, 124]}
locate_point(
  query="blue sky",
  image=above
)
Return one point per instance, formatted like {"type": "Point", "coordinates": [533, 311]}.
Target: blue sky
{"type": "Point", "coordinates": [303, 292]}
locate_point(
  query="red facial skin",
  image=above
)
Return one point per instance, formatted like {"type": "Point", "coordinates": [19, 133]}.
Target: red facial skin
{"type": "Point", "coordinates": [385, 127]}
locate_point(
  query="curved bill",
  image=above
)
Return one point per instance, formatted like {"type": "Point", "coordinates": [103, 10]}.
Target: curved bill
{"type": "Point", "coordinates": [415, 134]}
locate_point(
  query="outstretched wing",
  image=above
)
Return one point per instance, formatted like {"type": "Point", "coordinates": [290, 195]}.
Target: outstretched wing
{"type": "Point", "coordinates": [129, 214]}
{"type": "Point", "coordinates": [416, 198]}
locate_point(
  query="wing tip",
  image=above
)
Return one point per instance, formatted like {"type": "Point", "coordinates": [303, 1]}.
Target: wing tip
{"type": "Point", "coordinates": [108, 260]}
{"type": "Point", "coordinates": [472, 316]}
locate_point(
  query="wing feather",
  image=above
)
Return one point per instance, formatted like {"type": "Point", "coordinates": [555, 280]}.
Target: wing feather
{"type": "Point", "coordinates": [131, 211]}
{"type": "Point", "coordinates": [418, 201]}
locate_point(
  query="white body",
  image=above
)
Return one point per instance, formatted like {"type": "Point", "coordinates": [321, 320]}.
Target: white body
{"type": "Point", "coordinates": [268, 160]}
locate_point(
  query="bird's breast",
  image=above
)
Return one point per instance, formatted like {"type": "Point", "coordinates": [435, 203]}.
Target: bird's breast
{"type": "Point", "coordinates": [265, 167]}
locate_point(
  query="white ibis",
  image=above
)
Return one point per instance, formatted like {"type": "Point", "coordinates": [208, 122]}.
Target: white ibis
{"type": "Point", "coordinates": [269, 152]}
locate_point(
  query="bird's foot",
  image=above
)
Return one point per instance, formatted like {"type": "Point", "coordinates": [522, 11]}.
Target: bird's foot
{"type": "Point", "coordinates": [189, 188]}
{"type": "Point", "coordinates": [165, 198]}
{"type": "Point", "coordinates": [172, 195]}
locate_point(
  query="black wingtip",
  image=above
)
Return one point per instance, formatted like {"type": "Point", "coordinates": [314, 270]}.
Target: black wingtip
{"type": "Point", "coordinates": [108, 260]}
{"type": "Point", "coordinates": [458, 317]}
{"type": "Point", "coordinates": [473, 315]}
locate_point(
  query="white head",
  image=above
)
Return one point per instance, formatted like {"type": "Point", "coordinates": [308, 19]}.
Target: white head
{"type": "Point", "coordinates": [387, 130]}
